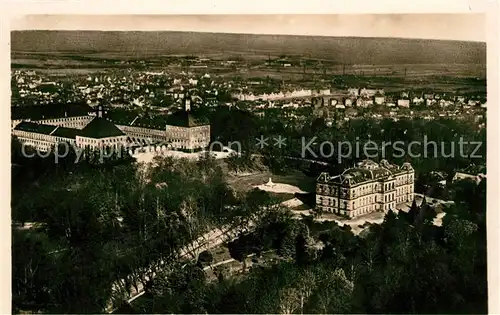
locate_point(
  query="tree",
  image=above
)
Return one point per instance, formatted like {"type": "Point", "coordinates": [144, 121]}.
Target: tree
{"type": "Point", "coordinates": [301, 250]}
{"type": "Point", "coordinates": [31, 269]}
{"type": "Point", "coordinates": [414, 211]}
{"type": "Point", "coordinates": [205, 258]}
{"type": "Point", "coordinates": [333, 294]}
{"type": "Point", "coordinates": [307, 284]}
{"type": "Point", "coordinates": [426, 213]}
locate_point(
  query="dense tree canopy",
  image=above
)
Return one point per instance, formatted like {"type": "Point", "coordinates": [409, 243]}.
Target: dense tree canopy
{"type": "Point", "coordinates": [98, 225]}
{"type": "Point", "coordinates": [405, 265]}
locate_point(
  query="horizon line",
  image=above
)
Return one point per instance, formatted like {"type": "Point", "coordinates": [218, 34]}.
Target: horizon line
{"type": "Point", "coordinates": [243, 33]}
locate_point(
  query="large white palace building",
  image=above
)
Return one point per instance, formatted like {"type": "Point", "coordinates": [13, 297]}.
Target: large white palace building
{"type": "Point", "coordinates": [366, 188]}
{"type": "Point", "coordinates": [87, 128]}
{"type": "Point", "coordinates": [182, 131]}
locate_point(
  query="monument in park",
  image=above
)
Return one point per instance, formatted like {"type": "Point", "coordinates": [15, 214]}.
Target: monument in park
{"type": "Point", "coordinates": [270, 183]}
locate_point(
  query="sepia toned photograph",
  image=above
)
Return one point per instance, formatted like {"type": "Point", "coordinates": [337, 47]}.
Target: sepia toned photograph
{"type": "Point", "coordinates": [249, 164]}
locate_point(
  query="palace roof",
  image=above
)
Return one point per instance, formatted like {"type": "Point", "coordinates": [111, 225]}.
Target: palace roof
{"type": "Point", "coordinates": [97, 128]}
{"type": "Point", "coordinates": [29, 126]}
{"type": "Point", "coordinates": [68, 133]}
{"type": "Point", "coordinates": [100, 128]}
{"type": "Point", "coordinates": [184, 118]}
{"type": "Point", "coordinates": [180, 118]}
{"type": "Point", "coordinates": [365, 171]}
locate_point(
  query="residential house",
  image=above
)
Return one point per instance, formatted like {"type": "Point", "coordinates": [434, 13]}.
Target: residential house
{"type": "Point", "coordinates": [472, 172]}
{"type": "Point", "coordinates": [353, 92]}
{"type": "Point", "coordinates": [445, 103]}
{"type": "Point", "coordinates": [379, 98]}
{"type": "Point", "coordinates": [418, 100]}
{"type": "Point", "coordinates": [429, 96]}
{"type": "Point", "coordinates": [430, 102]}
{"type": "Point", "coordinates": [369, 92]}
{"type": "Point", "coordinates": [404, 103]}
{"type": "Point", "coordinates": [364, 102]}
{"type": "Point", "coordinates": [473, 103]}
{"type": "Point", "coordinates": [477, 178]}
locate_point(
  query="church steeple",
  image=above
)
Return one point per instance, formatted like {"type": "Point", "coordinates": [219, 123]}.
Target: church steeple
{"type": "Point", "coordinates": [100, 111]}
{"type": "Point", "coordinates": [187, 102]}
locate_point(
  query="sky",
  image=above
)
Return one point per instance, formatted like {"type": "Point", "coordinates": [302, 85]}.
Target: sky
{"type": "Point", "coordinates": [468, 27]}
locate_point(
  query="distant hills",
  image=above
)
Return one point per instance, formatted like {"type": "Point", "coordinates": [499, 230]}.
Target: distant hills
{"type": "Point", "coordinates": [341, 50]}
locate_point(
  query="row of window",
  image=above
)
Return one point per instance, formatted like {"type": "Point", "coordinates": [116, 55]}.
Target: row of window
{"type": "Point", "coordinates": [177, 133]}
{"type": "Point", "coordinates": [96, 141]}
{"type": "Point", "coordinates": [362, 191]}
{"type": "Point", "coordinates": [39, 145]}
{"type": "Point", "coordinates": [135, 137]}
{"type": "Point", "coordinates": [365, 210]}
{"type": "Point", "coordinates": [363, 202]}
{"type": "Point", "coordinates": [353, 213]}
{"type": "Point", "coordinates": [331, 202]}
{"type": "Point", "coordinates": [401, 180]}
{"type": "Point", "coordinates": [404, 199]}
{"type": "Point", "coordinates": [333, 210]}
{"type": "Point", "coordinates": [389, 206]}
{"type": "Point", "coordinates": [390, 197]}
{"type": "Point", "coordinates": [357, 212]}
{"type": "Point", "coordinates": [405, 190]}
{"type": "Point", "coordinates": [389, 186]}
{"type": "Point", "coordinates": [140, 137]}
{"type": "Point", "coordinates": [32, 135]}
{"type": "Point", "coordinates": [140, 130]}
{"type": "Point", "coordinates": [366, 189]}
{"type": "Point", "coordinates": [162, 136]}
{"type": "Point", "coordinates": [108, 147]}
{"type": "Point", "coordinates": [60, 140]}
{"type": "Point", "coordinates": [179, 140]}
{"type": "Point", "coordinates": [57, 120]}
{"type": "Point", "coordinates": [41, 137]}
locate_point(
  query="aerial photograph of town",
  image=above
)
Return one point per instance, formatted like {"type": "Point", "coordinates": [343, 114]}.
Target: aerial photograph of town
{"type": "Point", "coordinates": [243, 168]}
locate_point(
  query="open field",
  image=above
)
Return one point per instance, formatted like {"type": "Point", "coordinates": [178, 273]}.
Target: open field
{"type": "Point", "coordinates": [327, 67]}
{"type": "Point", "coordinates": [343, 50]}
{"type": "Point", "coordinates": [408, 60]}
{"type": "Point", "coordinates": [438, 77]}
